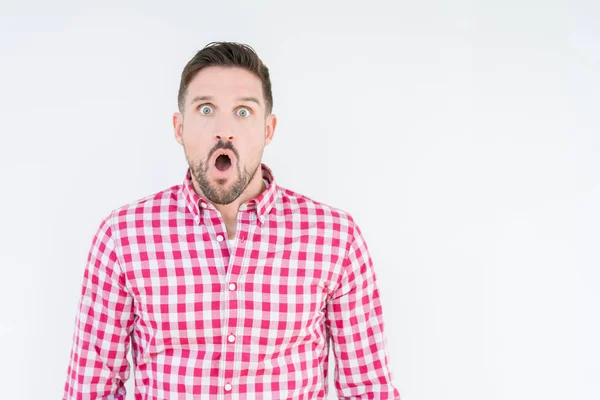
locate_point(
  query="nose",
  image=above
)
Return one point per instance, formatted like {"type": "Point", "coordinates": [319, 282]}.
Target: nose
{"type": "Point", "coordinates": [223, 129]}
{"type": "Point", "coordinates": [223, 137]}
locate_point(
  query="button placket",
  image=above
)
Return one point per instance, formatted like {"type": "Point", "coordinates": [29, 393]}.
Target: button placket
{"type": "Point", "coordinates": [232, 306]}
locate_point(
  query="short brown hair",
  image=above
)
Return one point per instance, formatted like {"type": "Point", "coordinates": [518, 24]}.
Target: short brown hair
{"type": "Point", "coordinates": [227, 54]}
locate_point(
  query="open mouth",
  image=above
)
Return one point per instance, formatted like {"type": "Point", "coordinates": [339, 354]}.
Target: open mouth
{"type": "Point", "coordinates": [223, 162]}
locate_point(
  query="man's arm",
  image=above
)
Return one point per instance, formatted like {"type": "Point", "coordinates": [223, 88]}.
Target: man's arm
{"type": "Point", "coordinates": [98, 366]}
{"type": "Point", "coordinates": [355, 321]}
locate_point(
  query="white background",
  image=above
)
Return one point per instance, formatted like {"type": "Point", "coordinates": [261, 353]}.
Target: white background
{"type": "Point", "coordinates": [460, 135]}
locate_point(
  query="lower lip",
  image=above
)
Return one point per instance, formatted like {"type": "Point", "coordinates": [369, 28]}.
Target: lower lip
{"type": "Point", "coordinates": [222, 173]}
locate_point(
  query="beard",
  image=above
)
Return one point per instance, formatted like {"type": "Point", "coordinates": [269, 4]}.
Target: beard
{"type": "Point", "coordinates": [218, 192]}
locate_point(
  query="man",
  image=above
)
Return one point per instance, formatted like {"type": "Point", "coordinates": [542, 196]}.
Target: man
{"type": "Point", "coordinates": [228, 285]}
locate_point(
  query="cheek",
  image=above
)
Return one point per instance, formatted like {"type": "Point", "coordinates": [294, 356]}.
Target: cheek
{"type": "Point", "coordinates": [196, 131]}
{"type": "Point", "coordinates": [196, 142]}
{"type": "Point", "coordinates": [253, 141]}
{"type": "Point", "coordinates": [198, 127]}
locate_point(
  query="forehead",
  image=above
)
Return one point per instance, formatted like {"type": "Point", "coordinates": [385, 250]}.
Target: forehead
{"type": "Point", "coordinates": [224, 83]}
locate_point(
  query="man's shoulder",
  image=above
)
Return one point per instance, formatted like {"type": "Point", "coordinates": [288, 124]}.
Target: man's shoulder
{"type": "Point", "coordinates": [298, 204]}
{"type": "Point", "coordinates": [152, 205]}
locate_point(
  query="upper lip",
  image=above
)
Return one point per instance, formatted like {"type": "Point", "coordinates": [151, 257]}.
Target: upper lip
{"type": "Point", "coordinates": [227, 152]}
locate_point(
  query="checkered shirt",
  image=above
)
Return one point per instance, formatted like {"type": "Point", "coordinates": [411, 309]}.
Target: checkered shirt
{"type": "Point", "coordinates": [204, 321]}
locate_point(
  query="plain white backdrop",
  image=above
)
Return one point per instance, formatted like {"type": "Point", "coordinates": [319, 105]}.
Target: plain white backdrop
{"type": "Point", "coordinates": [460, 135]}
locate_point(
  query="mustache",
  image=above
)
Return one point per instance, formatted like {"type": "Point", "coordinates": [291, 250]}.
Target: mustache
{"type": "Point", "coordinates": [225, 146]}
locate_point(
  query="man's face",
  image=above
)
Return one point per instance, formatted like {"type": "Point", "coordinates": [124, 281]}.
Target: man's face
{"type": "Point", "coordinates": [223, 130]}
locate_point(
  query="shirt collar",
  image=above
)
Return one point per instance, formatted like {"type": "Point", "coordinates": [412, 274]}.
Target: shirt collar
{"type": "Point", "coordinates": [262, 204]}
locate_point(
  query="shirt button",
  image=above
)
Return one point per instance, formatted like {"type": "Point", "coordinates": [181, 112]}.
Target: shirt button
{"type": "Point", "coordinates": [220, 238]}
{"type": "Point", "coordinates": [231, 338]}
{"type": "Point", "coordinates": [232, 286]}
{"type": "Point", "coordinates": [262, 218]}
{"type": "Point", "coordinates": [203, 205]}
{"type": "Point", "coordinates": [227, 387]}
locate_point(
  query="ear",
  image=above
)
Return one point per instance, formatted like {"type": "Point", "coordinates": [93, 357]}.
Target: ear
{"type": "Point", "coordinates": [270, 125]}
{"type": "Point", "coordinates": [178, 127]}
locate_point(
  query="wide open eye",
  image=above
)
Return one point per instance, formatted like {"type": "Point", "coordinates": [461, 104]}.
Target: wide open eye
{"type": "Point", "coordinates": [206, 109]}
{"type": "Point", "coordinates": [243, 112]}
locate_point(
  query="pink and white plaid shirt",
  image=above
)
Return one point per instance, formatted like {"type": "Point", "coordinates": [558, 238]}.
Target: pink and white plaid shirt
{"type": "Point", "coordinates": [205, 321]}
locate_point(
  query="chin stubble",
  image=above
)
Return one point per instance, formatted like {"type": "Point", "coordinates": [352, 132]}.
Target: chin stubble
{"type": "Point", "coordinates": [216, 193]}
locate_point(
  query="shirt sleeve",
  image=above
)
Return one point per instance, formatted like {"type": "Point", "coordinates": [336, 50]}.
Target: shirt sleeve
{"type": "Point", "coordinates": [355, 322]}
{"type": "Point", "coordinates": [98, 366]}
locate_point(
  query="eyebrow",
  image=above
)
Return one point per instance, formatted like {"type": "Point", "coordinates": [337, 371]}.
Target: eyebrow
{"type": "Point", "coordinates": [211, 98]}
